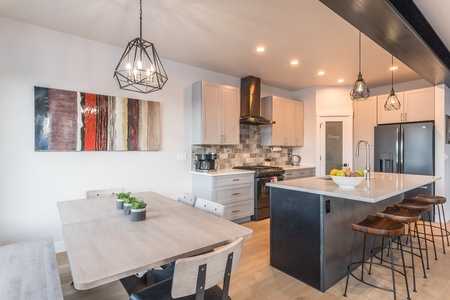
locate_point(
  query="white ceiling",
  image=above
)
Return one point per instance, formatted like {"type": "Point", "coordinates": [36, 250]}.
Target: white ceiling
{"type": "Point", "coordinates": [222, 35]}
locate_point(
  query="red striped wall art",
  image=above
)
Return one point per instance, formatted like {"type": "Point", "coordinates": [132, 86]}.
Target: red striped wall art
{"type": "Point", "coordinates": [77, 121]}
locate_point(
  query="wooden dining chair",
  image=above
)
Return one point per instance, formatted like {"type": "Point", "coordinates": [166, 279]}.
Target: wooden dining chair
{"type": "Point", "coordinates": [211, 207]}
{"type": "Point", "coordinates": [198, 277]}
{"type": "Point", "coordinates": [103, 193]}
{"type": "Point", "coordinates": [187, 198]}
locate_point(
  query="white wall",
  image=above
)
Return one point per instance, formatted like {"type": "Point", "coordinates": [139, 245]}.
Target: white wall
{"type": "Point", "coordinates": [33, 182]}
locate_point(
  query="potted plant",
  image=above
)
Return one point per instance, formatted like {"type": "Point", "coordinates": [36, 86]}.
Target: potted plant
{"type": "Point", "coordinates": [267, 161]}
{"type": "Point", "coordinates": [127, 204]}
{"type": "Point", "coordinates": [121, 199]}
{"type": "Point", "coordinates": [138, 210]}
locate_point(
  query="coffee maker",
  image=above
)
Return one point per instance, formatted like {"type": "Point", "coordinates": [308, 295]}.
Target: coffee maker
{"type": "Point", "coordinates": [205, 162]}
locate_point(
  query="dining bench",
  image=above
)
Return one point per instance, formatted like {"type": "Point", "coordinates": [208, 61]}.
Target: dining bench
{"type": "Point", "coordinates": [28, 270]}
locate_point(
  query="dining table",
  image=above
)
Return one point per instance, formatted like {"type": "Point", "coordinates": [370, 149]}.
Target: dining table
{"type": "Point", "coordinates": [104, 245]}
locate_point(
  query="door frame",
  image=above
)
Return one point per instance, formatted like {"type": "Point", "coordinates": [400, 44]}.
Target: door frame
{"type": "Point", "coordinates": [347, 140]}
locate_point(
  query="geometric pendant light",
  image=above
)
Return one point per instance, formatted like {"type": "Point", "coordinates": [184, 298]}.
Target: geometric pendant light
{"type": "Point", "coordinates": [140, 69]}
{"type": "Point", "coordinates": [392, 102]}
{"type": "Point", "coordinates": [360, 90]}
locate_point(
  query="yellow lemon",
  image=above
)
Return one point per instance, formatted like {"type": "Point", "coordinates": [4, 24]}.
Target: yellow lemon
{"type": "Point", "coordinates": [334, 171]}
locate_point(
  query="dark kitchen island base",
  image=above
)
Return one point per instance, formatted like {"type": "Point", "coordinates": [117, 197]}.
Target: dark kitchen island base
{"type": "Point", "coordinates": [311, 236]}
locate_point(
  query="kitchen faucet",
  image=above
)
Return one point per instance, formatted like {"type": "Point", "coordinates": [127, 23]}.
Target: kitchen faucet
{"type": "Point", "coordinates": [367, 171]}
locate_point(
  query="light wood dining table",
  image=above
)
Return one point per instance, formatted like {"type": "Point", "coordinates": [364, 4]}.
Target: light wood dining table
{"type": "Point", "coordinates": [104, 245]}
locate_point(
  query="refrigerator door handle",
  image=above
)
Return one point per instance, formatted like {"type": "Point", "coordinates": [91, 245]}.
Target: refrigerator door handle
{"type": "Point", "coordinates": [397, 154]}
{"type": "Point", "coordinates": [402, 137]}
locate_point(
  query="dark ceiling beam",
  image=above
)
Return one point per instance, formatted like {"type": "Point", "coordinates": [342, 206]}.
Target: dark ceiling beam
{"type": "Point", "coordinates": [399, 27]}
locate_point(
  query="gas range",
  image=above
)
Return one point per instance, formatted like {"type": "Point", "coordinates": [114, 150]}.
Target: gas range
{"type": "Point", "coordinates": [263, 171]}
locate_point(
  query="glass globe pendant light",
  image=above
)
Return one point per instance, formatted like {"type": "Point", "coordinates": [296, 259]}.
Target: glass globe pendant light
{"type": "Point", "coordinates": [392, 102]}
{"type": "Point", "coordinates": [360, 90]}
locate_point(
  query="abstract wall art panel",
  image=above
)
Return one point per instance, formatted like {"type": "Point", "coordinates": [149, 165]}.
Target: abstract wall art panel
{"type": "Point", "coordinates": [77, 121]}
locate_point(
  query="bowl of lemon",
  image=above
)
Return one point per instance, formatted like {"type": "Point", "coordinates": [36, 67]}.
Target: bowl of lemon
{"type": "Point", "coordinates": [346, 178]}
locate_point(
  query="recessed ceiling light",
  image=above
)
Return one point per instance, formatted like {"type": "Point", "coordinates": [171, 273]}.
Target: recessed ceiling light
{"type": "Point", "coordinates": [341, 80]}
{"type": "Point", "coordinates": [260, 49]}
{"type": "Point", "coordinates": [321, 73]}
{"type": "Point", "coordinates": [393, 68]}
{"type": "Point", "coordinates": [294, 62]}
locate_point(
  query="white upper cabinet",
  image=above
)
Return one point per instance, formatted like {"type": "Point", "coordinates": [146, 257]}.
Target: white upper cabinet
{"type": "Point", "coordinates": [299, 123]}
{"type": "Point", "coordinates": [215, 114]}
{"type": "Point", "coordinates": [416, 105]}
{"type": "Point", "coordinates": [288, 117]}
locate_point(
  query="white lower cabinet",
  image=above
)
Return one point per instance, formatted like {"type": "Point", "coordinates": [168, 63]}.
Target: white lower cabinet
{"type": "Point", "coordinates": [235, 191]}
{"type": "Point", "coordinates": [299, 173]}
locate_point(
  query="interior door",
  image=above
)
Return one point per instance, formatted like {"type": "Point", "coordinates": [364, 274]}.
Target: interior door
{"type": "Point", "coordinates": [335, 143]}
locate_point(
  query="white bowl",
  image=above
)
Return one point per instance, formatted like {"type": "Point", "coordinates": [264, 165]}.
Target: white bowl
{"type": "Point", "coordinates": [347, 182]}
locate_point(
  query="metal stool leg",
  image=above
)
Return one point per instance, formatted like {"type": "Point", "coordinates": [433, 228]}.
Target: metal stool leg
{"type": "Point", "coordinates": [350, 263]}
{"type": "Point", "coordinates": [432, 235]}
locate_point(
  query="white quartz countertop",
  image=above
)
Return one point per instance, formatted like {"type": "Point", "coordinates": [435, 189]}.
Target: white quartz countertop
{"type": "Point", "coordinates": [223, 172]}
{"type": "Point", "coordinates": [381, 186]}
{"type": "Point", "coordinates": [292, 167]}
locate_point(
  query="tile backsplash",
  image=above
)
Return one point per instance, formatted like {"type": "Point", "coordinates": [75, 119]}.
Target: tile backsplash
{"type": "Point", "coordinates": [248, 152]}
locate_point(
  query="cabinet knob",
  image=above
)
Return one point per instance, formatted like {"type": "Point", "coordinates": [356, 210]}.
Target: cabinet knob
{"type": "Point", "coordinates": [236, 211]}
{"type": "Point", "coordinates": [235, 179]}
{"type": "Point", "coordinates": [235, 194]}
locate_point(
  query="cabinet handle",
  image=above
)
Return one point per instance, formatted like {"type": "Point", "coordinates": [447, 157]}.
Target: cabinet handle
{"type": "Point", "coordinates": [401, 117]}
{"type": "Point", "coordinates": [235, 194]}
{"type": "Point", "coordinates": [235, 211]}
{"type": "Point", "coordinates": [236, 179]}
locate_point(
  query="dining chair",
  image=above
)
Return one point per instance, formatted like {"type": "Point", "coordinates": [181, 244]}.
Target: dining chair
{"type": "Point", "coordinates": [198, 277]}
{"type": "Point", "coordinates": [187, 198]}
{"type": "Point", "coordinates": [211, 207]}
{"type": "Point", "coordinates": [103, 193]}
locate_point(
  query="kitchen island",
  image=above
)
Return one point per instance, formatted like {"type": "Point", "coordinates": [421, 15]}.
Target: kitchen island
{"type": "Point", "coordinates": [310, 231]}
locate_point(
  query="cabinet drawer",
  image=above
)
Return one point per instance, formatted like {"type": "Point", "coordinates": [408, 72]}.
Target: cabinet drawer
{"type": "Point", "coordinates": [311, 172]}
{"type": "Point", "coordinates": [233, 193]}
{"type": "Point", "coordinates": [233, 179]}
{"type": "Point", "coordinates": [239, 210]}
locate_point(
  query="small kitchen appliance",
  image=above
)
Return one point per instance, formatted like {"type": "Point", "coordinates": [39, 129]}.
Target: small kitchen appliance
{"type": "Point", "coordinates": [205, 162]}
{"type": "Point", "coordinates": [295, 159]}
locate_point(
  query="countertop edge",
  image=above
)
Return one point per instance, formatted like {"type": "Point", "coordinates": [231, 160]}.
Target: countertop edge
{"type": "Point", "coordinates": [345, 193]}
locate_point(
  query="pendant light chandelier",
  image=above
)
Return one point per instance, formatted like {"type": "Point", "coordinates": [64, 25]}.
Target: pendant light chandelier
{"type": "Point", "coordinates": [140, 69]}
{"type": "Point", "coordinates": [392, 102]}
{"type": "Point", "coordinates": [360, 90]}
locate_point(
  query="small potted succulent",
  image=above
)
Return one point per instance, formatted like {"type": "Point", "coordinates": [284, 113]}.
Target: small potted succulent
{"type": "Point", "coordinates": [127, 204]}
{"type": "Point", "coordinates": [267, 161]}
{"type": "Point", "coordinates": [121, 199]}
{"type": "Point", "coordinates": [138, 210]}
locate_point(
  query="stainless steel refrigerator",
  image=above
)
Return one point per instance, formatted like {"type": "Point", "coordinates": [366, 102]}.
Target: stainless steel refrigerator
{"type": "Point", "coordinates": [406, 148]}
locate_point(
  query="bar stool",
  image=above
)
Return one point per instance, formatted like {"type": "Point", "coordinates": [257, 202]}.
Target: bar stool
{"type": "Point", "coordinates": [382, 227]}
{"type": "Point", "coordinates": [437, 201]}
{"type": "Point", "coordinates": [406, 216]}
{"type": "Point", "coordinates": [420, 207]}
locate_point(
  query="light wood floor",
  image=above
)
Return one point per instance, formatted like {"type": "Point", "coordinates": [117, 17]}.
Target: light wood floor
{"type": "Point", "coordinates": [255, 279]}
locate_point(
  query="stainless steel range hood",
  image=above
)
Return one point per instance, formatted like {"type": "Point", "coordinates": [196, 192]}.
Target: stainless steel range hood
{"type": "Point", "coordinates": [251, 102]}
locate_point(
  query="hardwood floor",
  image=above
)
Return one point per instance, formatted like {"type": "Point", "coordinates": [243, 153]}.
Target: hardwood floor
{"type": "Point", "coordinates": [255, 279]}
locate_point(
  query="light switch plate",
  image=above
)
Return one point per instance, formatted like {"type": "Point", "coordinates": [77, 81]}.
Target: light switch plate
{"type": "Point", "coordinates": [181, 156]}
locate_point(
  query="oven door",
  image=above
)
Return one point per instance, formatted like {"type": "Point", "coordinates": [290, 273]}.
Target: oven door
{"type": "Point", "coordinates": [262, 196]}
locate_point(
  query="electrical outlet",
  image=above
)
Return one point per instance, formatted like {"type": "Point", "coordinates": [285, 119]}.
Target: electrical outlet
{"type": "Point", "coordinates": [327, 206]}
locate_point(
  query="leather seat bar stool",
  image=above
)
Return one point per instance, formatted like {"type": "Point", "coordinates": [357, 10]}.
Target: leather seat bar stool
{"type": "Point", "coordinates": [438, 202]}
{"type": "Point", "coordinates": [407, 217]}
{"type": "Point", "coordinates": [377, 227]}
{"type": "Point", "coordinates": [421, 207]}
